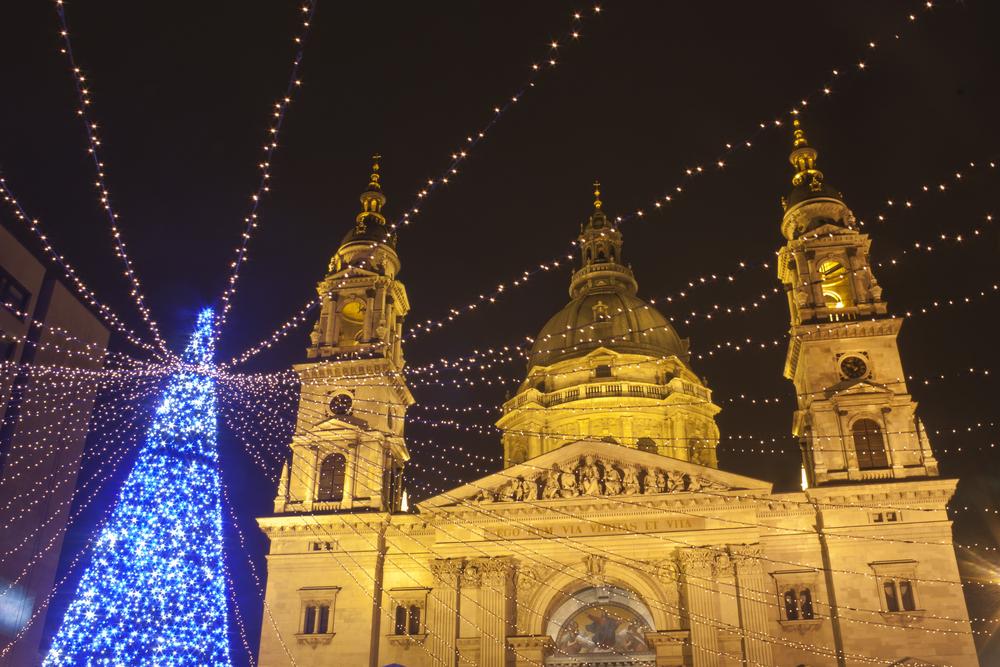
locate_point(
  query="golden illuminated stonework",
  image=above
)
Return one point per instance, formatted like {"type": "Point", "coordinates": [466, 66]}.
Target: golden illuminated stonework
{"type": "Point", "coordinates": [609, 366]}
{"type": "Point", "coordinates": [610, 537]}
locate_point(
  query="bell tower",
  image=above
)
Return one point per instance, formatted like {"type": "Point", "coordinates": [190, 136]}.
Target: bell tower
{"type": "Point", "coordinates": [855, 418]}
{"type": "Point", "coordinates": [348, 450]}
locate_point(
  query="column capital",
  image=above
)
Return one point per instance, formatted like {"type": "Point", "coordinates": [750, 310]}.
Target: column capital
{"type": "Point", "coordinates": [497, 570]}
{"type": "Point", "coordinates": [696, 561]}
{"type": "Point", "coordinates": [447, 570]}
{"type": "Point", "coordinates": [748, 557]}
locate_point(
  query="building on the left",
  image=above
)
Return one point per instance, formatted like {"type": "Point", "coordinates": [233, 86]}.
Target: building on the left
{"type": "Point", "coordinates": [43, 327]}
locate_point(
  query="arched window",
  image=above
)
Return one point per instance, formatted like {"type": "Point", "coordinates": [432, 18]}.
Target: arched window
{"type": "Point", "coordinates": [352, 322]}
{"type": "Point", "coordinates": [891, 598]}
{"type": "Point", "coordinates": [806, 604]}
{"type": "Point", "coordinates": [646, 445]}
{"type": "Point", "coordinates": [869, 445]}
{"type": "Point", "coordinates": [791, 605]}
{"type": "Point", "coordinates": [331, 478]}
{"type": "Point", "coordinates": [836, 286]}
{"type": "Point", "coordinates": [399, 627]}
{"type": "Point", "coordinates": [414, 620]}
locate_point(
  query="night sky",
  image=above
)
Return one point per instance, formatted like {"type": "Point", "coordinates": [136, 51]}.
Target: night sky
{"type": "Point", "coordinates": [183, 91]}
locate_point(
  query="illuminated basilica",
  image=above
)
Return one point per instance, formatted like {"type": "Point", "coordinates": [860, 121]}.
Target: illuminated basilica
{"type": "Point", "coordinates": [611, 537]}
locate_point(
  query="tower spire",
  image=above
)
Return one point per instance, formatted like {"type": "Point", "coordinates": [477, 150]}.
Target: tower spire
{"type": "Point", "coordinates": [372, 200]}
{"type": "Point", "coordinates": [803, 158]}
{"type": "Point", "coordinates": [373, 183]}
{"type": "Point", "coordinates": [597, 196]}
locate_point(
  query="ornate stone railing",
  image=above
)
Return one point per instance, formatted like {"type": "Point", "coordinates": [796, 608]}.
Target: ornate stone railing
{"type": "Point", "coordinates": [598, 390]}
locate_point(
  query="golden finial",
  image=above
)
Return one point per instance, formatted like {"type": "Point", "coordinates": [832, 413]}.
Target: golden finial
{"type": "Point", "coordinates": [799, 134]}
{"type": "Point", "coordinates": [373, 183]}
{"type": "Point", "coordinates": [372, 200]}
{"type": "Point", "coordinates": [803, 158]}
{"type": "Point", "coordinates": [597, 195]}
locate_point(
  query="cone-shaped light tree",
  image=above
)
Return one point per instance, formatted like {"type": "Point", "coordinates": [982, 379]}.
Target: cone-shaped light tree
{"type": "Point", "coordinates": [154, 592]}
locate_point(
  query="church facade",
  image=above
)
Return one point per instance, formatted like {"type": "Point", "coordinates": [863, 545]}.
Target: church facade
{"type": "Point", "coordinates": [611, 537]}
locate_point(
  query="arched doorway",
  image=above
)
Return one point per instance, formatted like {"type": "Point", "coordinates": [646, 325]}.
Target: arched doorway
{"type": "Point", "coordinates": [602, 625]}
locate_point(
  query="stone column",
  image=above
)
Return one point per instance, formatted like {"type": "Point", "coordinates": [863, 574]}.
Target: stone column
{"type": "Point", "coordinates": [442, 611]}
{"type": "Point", "coordinates": [753, 603]}
{"type": "Point", "coordinates": [495, 585]}
{"type": "Point", "coordinates": [696, 568]}
{"type": "Point", "coordinates": [530, 650]}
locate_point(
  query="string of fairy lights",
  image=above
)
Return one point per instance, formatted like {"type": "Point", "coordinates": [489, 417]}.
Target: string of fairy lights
{"type": "Point", "coordinates": [84, 97]}
{"type": "Point", "coordinates": [278, 112]}
{"type": "Point", "coordinates": [263, 430]}
{"type": "Point", "coordinates": [461, 155]}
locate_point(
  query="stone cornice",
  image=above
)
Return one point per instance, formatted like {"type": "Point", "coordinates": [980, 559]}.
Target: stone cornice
{"type": "Point", "coordinates": [888, 326]}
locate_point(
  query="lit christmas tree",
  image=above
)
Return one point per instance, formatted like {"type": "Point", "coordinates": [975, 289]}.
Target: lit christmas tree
{"type": "Point", "coordinates": [155, 591]}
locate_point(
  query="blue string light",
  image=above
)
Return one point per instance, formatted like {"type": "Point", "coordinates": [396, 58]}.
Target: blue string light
{"type": "Point", "coordinates": [154, 592]}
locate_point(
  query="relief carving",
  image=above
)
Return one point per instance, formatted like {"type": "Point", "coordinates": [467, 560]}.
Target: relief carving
{"type": "Point", "coordinates": [591, 476]}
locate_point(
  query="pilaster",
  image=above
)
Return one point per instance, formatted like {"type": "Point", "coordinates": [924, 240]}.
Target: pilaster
{"type": "Point", "coordinates": [696, 570]}
{"type": "Point", "coordinates": [443, 611]}
{"type": "Point", "coordinates": [496, 575]}
{"type": "Point", "coordinates": [753, 605]}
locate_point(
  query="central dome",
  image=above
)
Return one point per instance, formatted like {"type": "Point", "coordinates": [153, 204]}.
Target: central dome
{"type": "Point", "coordinates": [614, 319]}
{"type": "Point", "coordinates": [604, 310]}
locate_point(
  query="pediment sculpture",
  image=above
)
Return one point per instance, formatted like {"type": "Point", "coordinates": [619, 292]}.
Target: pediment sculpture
{"type": "Point", "coordinates": [591, 475]}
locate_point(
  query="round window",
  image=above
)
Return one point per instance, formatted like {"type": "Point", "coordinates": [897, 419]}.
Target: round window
{"type": "Point", "coordinates": [341, 404]}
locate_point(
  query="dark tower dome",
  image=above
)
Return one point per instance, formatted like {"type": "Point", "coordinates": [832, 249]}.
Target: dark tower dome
{"type": "Point", "coordinates": [605, 311]}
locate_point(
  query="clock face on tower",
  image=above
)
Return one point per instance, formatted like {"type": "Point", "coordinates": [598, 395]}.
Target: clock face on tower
{"type": "Point", "coordinates": [853, 367]}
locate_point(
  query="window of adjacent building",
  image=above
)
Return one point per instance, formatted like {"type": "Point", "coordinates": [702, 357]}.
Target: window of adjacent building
{"type": "Point", "coordinates": [7, 347]}
{"type": "Point", "coordinates": [331, 478]}
{"type": "Point", "coordinates": [13, 295]}
{"type": "Point", "coordinates": [798, 603]}
{"type": "Point", "coordinates": [869, 445]}
{"type": "Point", "coordinates": [835, 282]}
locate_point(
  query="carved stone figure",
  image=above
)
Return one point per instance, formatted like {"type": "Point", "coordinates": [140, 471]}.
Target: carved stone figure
{"type": "Point", "coordinates": [674, 482]}
{"type": "Point", "coordinates": [595, 564]}
{"type": "Point", "coordinates": [527, 489]}
{"type": "Point", "coordinates": [652, 481]}
{"type": "Point", "coordinates": [551, 488]}
{"type": "Point", "coordinates": [507, 492]}
{"type": "Point", "coordinates": [518, 491]}
{"type": "Point", "coordinates": [612, 481]}
{"type": "Point", "coordinates": [568, 487]}
{"type": "Point", "coordinates": [590, 477]}
{"type": "Point", "coordinates": [630, 481]}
